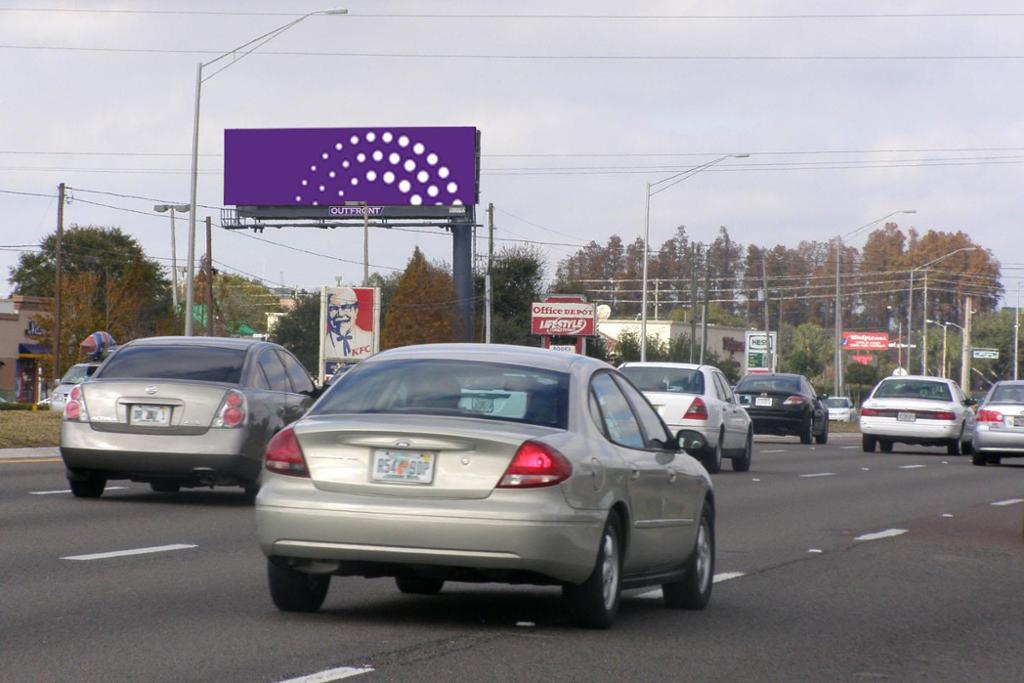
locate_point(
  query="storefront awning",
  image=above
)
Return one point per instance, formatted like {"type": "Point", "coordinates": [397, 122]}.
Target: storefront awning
{"type": "Point", "coordinates": [33, 351]}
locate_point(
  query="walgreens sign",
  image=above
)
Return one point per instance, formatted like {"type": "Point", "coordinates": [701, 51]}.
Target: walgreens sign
{"type": "Point", "coordinates": [563, 319]}
{"type": "Point", "coordinates": [866, 341]}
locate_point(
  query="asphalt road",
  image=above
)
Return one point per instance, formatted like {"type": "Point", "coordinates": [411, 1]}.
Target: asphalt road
{"type": "Point", "coordinates": [802, 592]}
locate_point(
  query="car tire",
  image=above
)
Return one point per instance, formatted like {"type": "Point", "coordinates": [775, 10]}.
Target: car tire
{"type": "Point", "coordinates": [694, 591]}
{"type": "Point", "coordinates": [868, 443]}
{"type": "Point", "coordinates": [742, 464]}
{"type": "Point", "coordinates": [164, 487]}
{"type": "Point", "coordinates": [88, 485]}
{"type": "Point", "coordinates": [967, 447]}
{"type": "Point", "coordinates": [807, 431]}
{"type": "Point", "coordinates": [295, 591]}
{"type": "Point", "coordinates": [250, 491]}
{"type": "Point", "coordinates": [822, 438]}
{"type": "Point", "coordinates": [885, 446]}
{"type": "Point", "coordinates": [980, 459]}
{"type": "Point", "coordinates": [995, 460]}
{"type": "Point", "coordinates": [712, 459]}
{"type": "Point", "coordinates": [419, 585]}
{"type": "Point", "coordinates": [595, 602]}
{"type": "Point", "coordinates": [953, 447]}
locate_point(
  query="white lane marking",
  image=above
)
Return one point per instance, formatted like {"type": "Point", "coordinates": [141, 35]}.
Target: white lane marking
{"type": "Point", "coordinates": [865, 469]}
{"type": "Point", "coordinates": [945, 462]}
{"type": "Point", "coordinates": [912, 467]}
{"type": "Point", "coordinates": [888, 533]}
{"type": "Point", "coordinates": [1008, 501]}
{"type": "Point", "coordinates": [848, 448]}
{"type": "Point", "coordinates": [50, 493]}
{"type": "Point", "coordinates": [719, 578]}
{"type": "Point", "coordinates": [133, 551]}
{"type": "Point", "coordinates": [818, 474]}
{"type": "Point", "coordinates": [335, 674]}
{"type": "Point", "coordinates": [525, 624]}
{"type": "Point", "coordinates": [946, 514]}
{"type": "Point", "coordinates": [815, 550]}
{"type": "Point", "coordinates": [780, 450]}
{"type": "Point", "coordinates": [755, 479]}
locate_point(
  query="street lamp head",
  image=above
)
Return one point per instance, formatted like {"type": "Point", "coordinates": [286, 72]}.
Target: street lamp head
{"type": "Point", "coordinates": [334, 12]}
{"type": "Point", "coordinates": [739, 156]}
{"type": "Point", "coordinates": [182, 208]}
{"type": "Point", "coordinates": [162, 208]}
{"type": "Point", "coordinates": [909, 211]}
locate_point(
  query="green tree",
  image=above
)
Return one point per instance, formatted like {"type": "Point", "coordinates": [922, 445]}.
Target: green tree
{"type": "Point", "coordinates": [423, 310]}
{"type": "Point", "coordinates": [298, 330]}
{"type": "Point", "coordinates": [517, 280]}
{"type": "Point", "coordinates": [808, 349]}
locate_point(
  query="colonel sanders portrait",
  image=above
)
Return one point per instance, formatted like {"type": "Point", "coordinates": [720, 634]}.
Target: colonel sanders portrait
{"type": "Point", "coordinates": [349, 332]}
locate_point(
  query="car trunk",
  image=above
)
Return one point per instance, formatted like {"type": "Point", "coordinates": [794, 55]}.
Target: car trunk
{"type": "Point", "coordinates": [445, 457]}
{"type": "Point", "coordinates": [670, 405]}
{"type": "Point", "coordinates": [765, 399]}
{"type": "Point", "coordinates": [143, 406]}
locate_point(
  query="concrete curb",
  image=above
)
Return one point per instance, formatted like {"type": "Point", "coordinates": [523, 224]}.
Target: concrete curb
{"type": "Point", "coordinates": [40, 452]}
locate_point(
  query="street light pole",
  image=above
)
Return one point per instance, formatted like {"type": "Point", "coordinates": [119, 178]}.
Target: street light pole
{"type": "Point", "coordinates": [237, 54]}
{"type": "Point", "coordinates": [677, 178]}
{"type": "Point", "coordinates": [181, 208]}
{"type": "Point", "coordinates": [838, 360]}
{"type": "Point", "coordinates": [910, 294]}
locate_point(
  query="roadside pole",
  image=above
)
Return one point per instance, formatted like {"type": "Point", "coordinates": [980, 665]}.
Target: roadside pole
{"type": "Point", "coordinates": [209, 278]}
{"type": "Point", "coordinates": [488, 291]}
{"type": "Point", "coordinates": [965, 353]}
{"type": "Point", "coordinates": [57, 283]}
{"type": "Point", "coordinates": [767, 328]}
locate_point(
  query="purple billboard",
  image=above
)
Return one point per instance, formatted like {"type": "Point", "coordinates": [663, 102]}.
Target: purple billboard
{"type": "Point", "coordinates": [385, 166]}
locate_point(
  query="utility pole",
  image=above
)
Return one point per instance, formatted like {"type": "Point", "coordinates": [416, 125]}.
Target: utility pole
{"type": "Point", "coordinates": [965, 354]}
{"type": "Point", "coordinates": [488, 285]}
{"type": "Point", "coordinates": [704, 310]}
{"type": "Point", "coordinates": [1016, 335]}
{"type": "Point", "coordinates": [693, 297]}
{"type": "Point", "coordinates": [767, 327]}
{"type": "Point", "coordinates": [57, 283]}
{"type": "Point", "coordinates": [778, 336]}
{"type": "Point", "coordinates": [924, 327]}
{"type": "Point", "coordinates": [837, 384]}
{"type": "Point", "coordinates": [366, 245]}
{"type": "Point", "coordinates": [209, 278]}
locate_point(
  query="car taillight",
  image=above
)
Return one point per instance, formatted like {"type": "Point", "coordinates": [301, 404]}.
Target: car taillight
{"type": "Point", "coordinates": [535, 464]}
{"type": "Point", "coordinates": [869, 412]}
{"type": "Point", "coordinates": [74, 408]}
{"type": "Point", "coordinates": [232, 410]}
{"type": "Point", "coordinates": [935, 415]}
{"type": "Point", "coordinates": [284, 455]}
{"type": "Point", "coordinates": [697, 410]}
{"type": "Point", "coordinates": [794, 401]}
{"type": "Point", "coordinates": [989, 416]}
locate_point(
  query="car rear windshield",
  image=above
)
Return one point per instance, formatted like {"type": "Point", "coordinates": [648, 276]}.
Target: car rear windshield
{"type": "Point", "coordinates": [1007, 394]}
{"type": "Point", "coordinates": [913, 388]}
{"type": "Point", "coordinates": [837, 403]}
{"type": "Point", "coordinates": [674, 380]}
{"type": "Point", "coordinates": [489, 391]}
{"type": "Point", "coordinates": [198, 363]}
{"type": "Point", "coordinates": [779, 385]}
{"type": "Point", "coordinates": [78, 373]}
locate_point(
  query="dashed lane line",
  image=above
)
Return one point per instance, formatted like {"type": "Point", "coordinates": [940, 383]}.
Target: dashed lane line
{"type": "Point", "coordinates": [1008, 501]}
{"type": "Point", "coordinates": [912, 467]}
{"type": "Point", "coordinates": [848, 448]}
{"type": "Point", "coordinates": [335, 674]}
{"type": "Point", "coordinates": [719, 578]}
{"type": "Point", "coordinates": [775, 450]}
{"type": "Point", "coordinates": [132, 551]}
{"type": "Point", "coordinates": [887, 533]}
{"type": "Point", "coordinates": [817, 474]}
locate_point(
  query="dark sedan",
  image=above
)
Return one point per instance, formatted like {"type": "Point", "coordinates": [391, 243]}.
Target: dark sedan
{"type": "Point", "coordinates": [784, 404]}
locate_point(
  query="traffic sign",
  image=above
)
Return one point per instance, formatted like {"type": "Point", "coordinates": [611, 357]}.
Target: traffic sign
{"type": "Point", "coordinates": [985, 354]}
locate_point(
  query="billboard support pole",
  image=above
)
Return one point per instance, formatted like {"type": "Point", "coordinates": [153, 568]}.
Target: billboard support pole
{"type": "Point", "coordinates": [487, 278]}
{"type": "Point", "coordinates": [462, 274]}
{"type": "Point", "coordinates": [366, 245]}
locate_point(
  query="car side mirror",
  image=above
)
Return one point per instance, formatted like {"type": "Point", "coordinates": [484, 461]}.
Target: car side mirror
{"type": "Point", "coordinates": [690, 441]}
{"type": "Point", "coordinates": [970, 402]}
{"type": "Point", "coordinates": [823, 397]}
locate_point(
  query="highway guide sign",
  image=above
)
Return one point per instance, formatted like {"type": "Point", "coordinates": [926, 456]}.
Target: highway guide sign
{"type": "Point", "coordinates": [985, 354]}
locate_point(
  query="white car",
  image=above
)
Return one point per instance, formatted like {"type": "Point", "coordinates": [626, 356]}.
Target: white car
{"type": "Point", "coordinates": [999, 424]}
{"type": "Point", "coordinates": [698, 397]}
{"type": "Point", "coordinates": [75, 375]}
{"type": "Point", "coordinates": [914, 409]}
{"type": "Point", "coordinates": [840, 409]}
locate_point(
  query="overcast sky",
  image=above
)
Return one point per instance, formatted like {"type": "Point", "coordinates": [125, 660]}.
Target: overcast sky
{"type": "Point", "coordinates": [834, 142]}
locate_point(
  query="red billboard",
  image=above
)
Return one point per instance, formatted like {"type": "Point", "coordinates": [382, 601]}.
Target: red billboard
{"type": "Point", "coordinates": [563, 319]}
{"type": "Point", "coordinates": [866, 341]}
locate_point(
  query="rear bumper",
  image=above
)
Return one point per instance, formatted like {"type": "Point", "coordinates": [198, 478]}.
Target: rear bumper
{"type": "Point", "coordinates": [998, 440]}
{"type": "Point", "coordinates": [923, 432]}
{"type": "Point", "coordinates": [775, 421]}
{"type": "Point", "coordinates": [217, 455]}
{"type": "Point", "coordinates": [537, 534]}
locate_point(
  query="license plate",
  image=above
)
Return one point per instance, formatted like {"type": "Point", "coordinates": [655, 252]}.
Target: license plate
{"type": "Point", "coordinates": [1015, 421]}
{"type": "Point", "coordinates": [406, 467]}
{"type": "Point", "coordinates": [153, 416]}
{"type": "Point", "coordinates": [763, 401]}
{"type": "Point", "coordinates": [906, 417]}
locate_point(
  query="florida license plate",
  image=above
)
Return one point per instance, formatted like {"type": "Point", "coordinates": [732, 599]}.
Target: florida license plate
{"type": "Point", "coordinates": [406, 467]}
{"type": "Point", "coordinates": [151, 416]}
{"type": "Point", "coordinates": [906, 417]}
{"type": "Point", "coordinates": [763, 401]}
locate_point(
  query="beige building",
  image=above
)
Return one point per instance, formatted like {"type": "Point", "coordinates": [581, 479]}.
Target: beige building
{"type": "Point", "coordinates": [725, 342]}
{"type": "Point", "coordinates": [21, 349]}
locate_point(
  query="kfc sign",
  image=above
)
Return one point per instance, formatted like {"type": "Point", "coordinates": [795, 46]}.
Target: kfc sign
{"type": "Point", "coordinates": [866, 341]}
{"type": "Point", "coordinates": [563, 319]}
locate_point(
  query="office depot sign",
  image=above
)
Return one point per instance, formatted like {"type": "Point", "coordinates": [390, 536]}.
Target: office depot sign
{"type": "Point", "coordinates": [563, 319]}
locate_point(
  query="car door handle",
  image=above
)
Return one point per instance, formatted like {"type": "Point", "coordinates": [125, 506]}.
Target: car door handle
{"type": "Point", "coordinates": [635, 472]}
{"type": "Point", "coordinates": [671, 476]}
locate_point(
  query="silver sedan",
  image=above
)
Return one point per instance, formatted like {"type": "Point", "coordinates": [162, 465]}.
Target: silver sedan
{"type": "Point", "coordinates": [486, 463]}
{"type": "Point", "coordinates": [999, 424]}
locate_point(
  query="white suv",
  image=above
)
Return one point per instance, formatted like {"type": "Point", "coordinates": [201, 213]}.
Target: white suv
{"type": "Point", "coordinates": [914, 409]}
